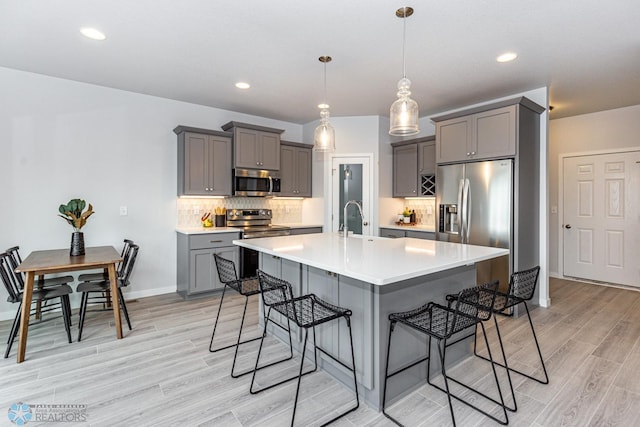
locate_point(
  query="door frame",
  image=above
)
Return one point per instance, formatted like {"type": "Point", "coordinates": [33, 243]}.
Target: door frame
{"type": "Point", "coordinates": [373, 202]}
{"type": "Point", "coordinates": [559, 231]}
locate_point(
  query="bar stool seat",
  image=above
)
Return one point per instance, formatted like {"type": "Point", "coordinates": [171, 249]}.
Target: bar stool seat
{"type": "Point", "coordinates": [471, 307]}
{"type": "Point", "coordinates": [306, 311]}
{"type": "Point", "coordinates": [246, 287]}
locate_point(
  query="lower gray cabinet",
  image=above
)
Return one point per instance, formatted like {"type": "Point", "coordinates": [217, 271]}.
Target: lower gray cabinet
{"type": "Point", "coordinates": [393, 233]}
{"type": "Point", "coordinates": [196, 270]}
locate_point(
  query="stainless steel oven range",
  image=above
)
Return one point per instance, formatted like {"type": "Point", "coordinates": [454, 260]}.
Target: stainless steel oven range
{"type": "Point", "coordinates": [255, 223]}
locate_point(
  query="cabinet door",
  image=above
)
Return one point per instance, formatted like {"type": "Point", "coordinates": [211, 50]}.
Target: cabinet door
{"type": "Point", "coordinates": [196, 164]}
{"type": "Point", "coordinates": [246, 148]}
{"type": "Point", "coordinates": [427, 158]}
{"type": "Point", "coordinates": [391, 233]}
{"type": "Point", "coordinates": [219, 166]}
{"type": "Point", "coordinates": [203, 274]}
{"type": "Point", "coordinates": [495, 133]}
{"type": "Point", "coordinates": [405, 171]}
{"type": "Point", "coordinates": [453, 140]}
{"type": "Point", "coordinates": [269, 151]}
{"type": "Point", "coordinates": [303, 172]}
{"type": "Point", "coordinates": [288, 174]}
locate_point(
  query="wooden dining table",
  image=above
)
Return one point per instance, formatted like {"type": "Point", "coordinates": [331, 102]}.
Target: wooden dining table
{"type": "Point", "coordinates": [60, 261]}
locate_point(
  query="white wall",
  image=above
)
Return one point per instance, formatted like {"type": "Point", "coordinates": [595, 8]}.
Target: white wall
{"type": "Point", "coordinates": [604, 130]}
{"type": "Point", "coordinates": [61, 139]}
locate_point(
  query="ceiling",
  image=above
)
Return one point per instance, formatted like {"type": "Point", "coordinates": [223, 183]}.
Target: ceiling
{"type": "Point", "coordinates": [586, 51]}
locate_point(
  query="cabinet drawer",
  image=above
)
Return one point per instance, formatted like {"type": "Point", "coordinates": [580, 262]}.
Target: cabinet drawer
{"type": "Point", "coordinates": [213, 240]}
{"type": "Point", "coordinates": [427, 235]}
{"type": "Point", "coordinates": [391, 233]}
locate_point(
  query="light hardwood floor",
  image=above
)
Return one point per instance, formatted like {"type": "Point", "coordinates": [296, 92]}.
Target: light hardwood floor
{"type": "Point", "coordinates": [162, 373]}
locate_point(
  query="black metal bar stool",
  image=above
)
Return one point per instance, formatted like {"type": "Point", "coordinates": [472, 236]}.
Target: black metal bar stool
{"type": "Point", "coordinates": [245, 287]}
{"type": "Point", "coordinates": [522, 286]}
{"type": "Point", "coordinates": [472, 306]}
{"type": "Point", "coordinates": [306, 311]}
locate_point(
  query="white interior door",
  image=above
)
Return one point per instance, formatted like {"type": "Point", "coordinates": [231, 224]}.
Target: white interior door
{"type": "Point", "coordinates": [351, 180]}
{"type": "Point", "coordinates": [601, 224]}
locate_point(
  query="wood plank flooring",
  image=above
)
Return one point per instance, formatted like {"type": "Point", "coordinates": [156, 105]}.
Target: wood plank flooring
{"type": "Point", "coordinates": [162, 374]}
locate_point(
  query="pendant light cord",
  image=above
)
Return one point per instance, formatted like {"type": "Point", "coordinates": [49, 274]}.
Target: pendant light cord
{"type": "Point", "coordinates": [404, 38]}
{"type": "Point", "coordinates": [325, 82]}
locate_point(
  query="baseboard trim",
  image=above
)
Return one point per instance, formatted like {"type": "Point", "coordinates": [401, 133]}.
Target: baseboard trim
{"type": "Point", "coordinates": [556, 275]}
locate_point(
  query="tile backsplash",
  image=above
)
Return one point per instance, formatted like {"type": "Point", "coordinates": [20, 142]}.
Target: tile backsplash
{"type": "Point", "coordinates": [284, 210]}
{"type": "Point", "coordinates": [425, 210]}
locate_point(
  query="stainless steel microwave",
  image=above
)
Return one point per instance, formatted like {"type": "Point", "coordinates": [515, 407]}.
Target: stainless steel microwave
{"type": "Point", "coordinates": [255, 183]}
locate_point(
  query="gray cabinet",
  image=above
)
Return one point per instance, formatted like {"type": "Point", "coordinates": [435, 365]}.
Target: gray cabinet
{"type": "Point", "coordinates": [306, 230]}
{"type": "Point", "coordinates": [295, 169]}
{"type": "Point", "coordinates": [196, 270]}
{"type": "Point", "coordinates": [405, 171]}
{"type": "Point", "coordinates": [414, 167]}
{"type": "Point", "coordinates": [255, 147]}
{"type": "Point", "coordinates": [486, 132]}
{"type": "Point", "coordinates": [393, 233]}
{"type": "Point", "coordinates": [204, 162]}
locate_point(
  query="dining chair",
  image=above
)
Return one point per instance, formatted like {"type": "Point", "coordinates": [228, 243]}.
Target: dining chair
{"type": "Point", "coordinates": [12, 285]}
{"type": "Point", "coordinates": [87, 288]}
{"type": "Point", "coordinates": [40, 282]}
{"type": "Point", "coordinates": [98, 277]}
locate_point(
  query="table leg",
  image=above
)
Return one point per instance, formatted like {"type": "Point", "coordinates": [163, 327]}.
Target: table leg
{"type": "Point", "coordinates": [27, 295]}
{"type": "Point", "coordinates": [115, 301]}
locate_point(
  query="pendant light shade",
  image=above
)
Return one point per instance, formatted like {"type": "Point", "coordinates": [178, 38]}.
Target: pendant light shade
{"type": "Point", "coordinates": [404, 113]}
{"type": "Point", "coordinates": [324, 137]}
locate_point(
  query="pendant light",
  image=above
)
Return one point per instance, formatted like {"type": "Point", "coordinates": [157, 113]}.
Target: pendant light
{"type": "Point", "coordinates": [403, 114]}
{"type": "Point", "coordinates": [324, 137]}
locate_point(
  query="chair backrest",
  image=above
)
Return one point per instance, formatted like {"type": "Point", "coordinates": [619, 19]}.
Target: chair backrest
{"type": "Point", "coordinates": [14, 261]}
{"type": "Point", "coordinates": [131, 260]}
{"type": "Point", "coordinates": [473, 304]}
{"type": "Point", "coordinates": [277, 292]}
{"type": "Point", "coordinates": [523, 283]}
{"type": "Point", "coordinates": [226, 269]}
{"type": "Point", "coordinates": [8, 278]}
{"type": "Point", "coordinates": [126, 252]}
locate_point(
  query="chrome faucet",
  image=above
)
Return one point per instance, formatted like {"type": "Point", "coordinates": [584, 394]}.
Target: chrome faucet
{"type": "Point", "coordinates": [345, 229]}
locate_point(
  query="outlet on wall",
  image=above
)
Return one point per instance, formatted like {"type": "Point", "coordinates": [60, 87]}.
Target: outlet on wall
{"type": "Point", "coordinates": [124, 211]}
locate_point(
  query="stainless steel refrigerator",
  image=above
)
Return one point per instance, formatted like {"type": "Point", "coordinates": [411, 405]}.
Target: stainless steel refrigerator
{"type": "Point", "coordinates": [475, 205]}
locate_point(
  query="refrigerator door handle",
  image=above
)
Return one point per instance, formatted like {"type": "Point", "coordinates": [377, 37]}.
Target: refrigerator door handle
{"type": "Point", "coordinates": [459, 211]}
{"type": "Point", "coordinates": [467, 210]}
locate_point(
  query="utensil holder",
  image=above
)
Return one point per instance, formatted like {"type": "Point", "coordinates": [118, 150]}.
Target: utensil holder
{"type": "Point", "coordinates": [220, 221]}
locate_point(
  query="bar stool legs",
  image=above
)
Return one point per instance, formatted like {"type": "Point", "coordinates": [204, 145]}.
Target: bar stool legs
{"type": "Point", "coordinates": [235, 374]}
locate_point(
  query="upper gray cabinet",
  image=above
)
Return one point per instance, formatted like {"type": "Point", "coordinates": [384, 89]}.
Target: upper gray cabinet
{"type": "Point", "coordinates": [204, 162]}
{"type": "Point", "coordinates": [414, 167]}
{"type": "Point", "coordinates": [255, 147]}
{"type": "Point", "coordinates": [295, 169]}
{"type": "Point", "coordinates": [486, 132]}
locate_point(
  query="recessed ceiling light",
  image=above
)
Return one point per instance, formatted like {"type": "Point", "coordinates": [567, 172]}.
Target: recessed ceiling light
{"type": "Point", "coordinates": [323, 106]}
{"type": "Point", "coordinates": [507, 57]}
{"type": "Point", "coordinates": [243, 85]}
{"type": "Point", "coordinates": [92, 33]}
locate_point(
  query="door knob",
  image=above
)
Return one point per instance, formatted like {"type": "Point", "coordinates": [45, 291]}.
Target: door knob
{"type": "Point", "coordinates": [365, 223]}
{"type": "Point", "coordinates": [568, 226]}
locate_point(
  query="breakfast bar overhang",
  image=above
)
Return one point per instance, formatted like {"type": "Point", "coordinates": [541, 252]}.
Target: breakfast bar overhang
{"type": "Point", "coordinates": [373, 277]}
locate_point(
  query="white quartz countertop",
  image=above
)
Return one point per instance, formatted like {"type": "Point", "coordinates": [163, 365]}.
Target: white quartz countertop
{"type": "Point", "coordinates": [207, 230]}
{"type": "Point", "coordinates": [418, 227]}
{"type": "Point", "coordinates": [376, 260]}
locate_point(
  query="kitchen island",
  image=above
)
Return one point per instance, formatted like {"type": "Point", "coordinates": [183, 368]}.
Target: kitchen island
{"type": "Point", "coordinates": [373, 276]}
